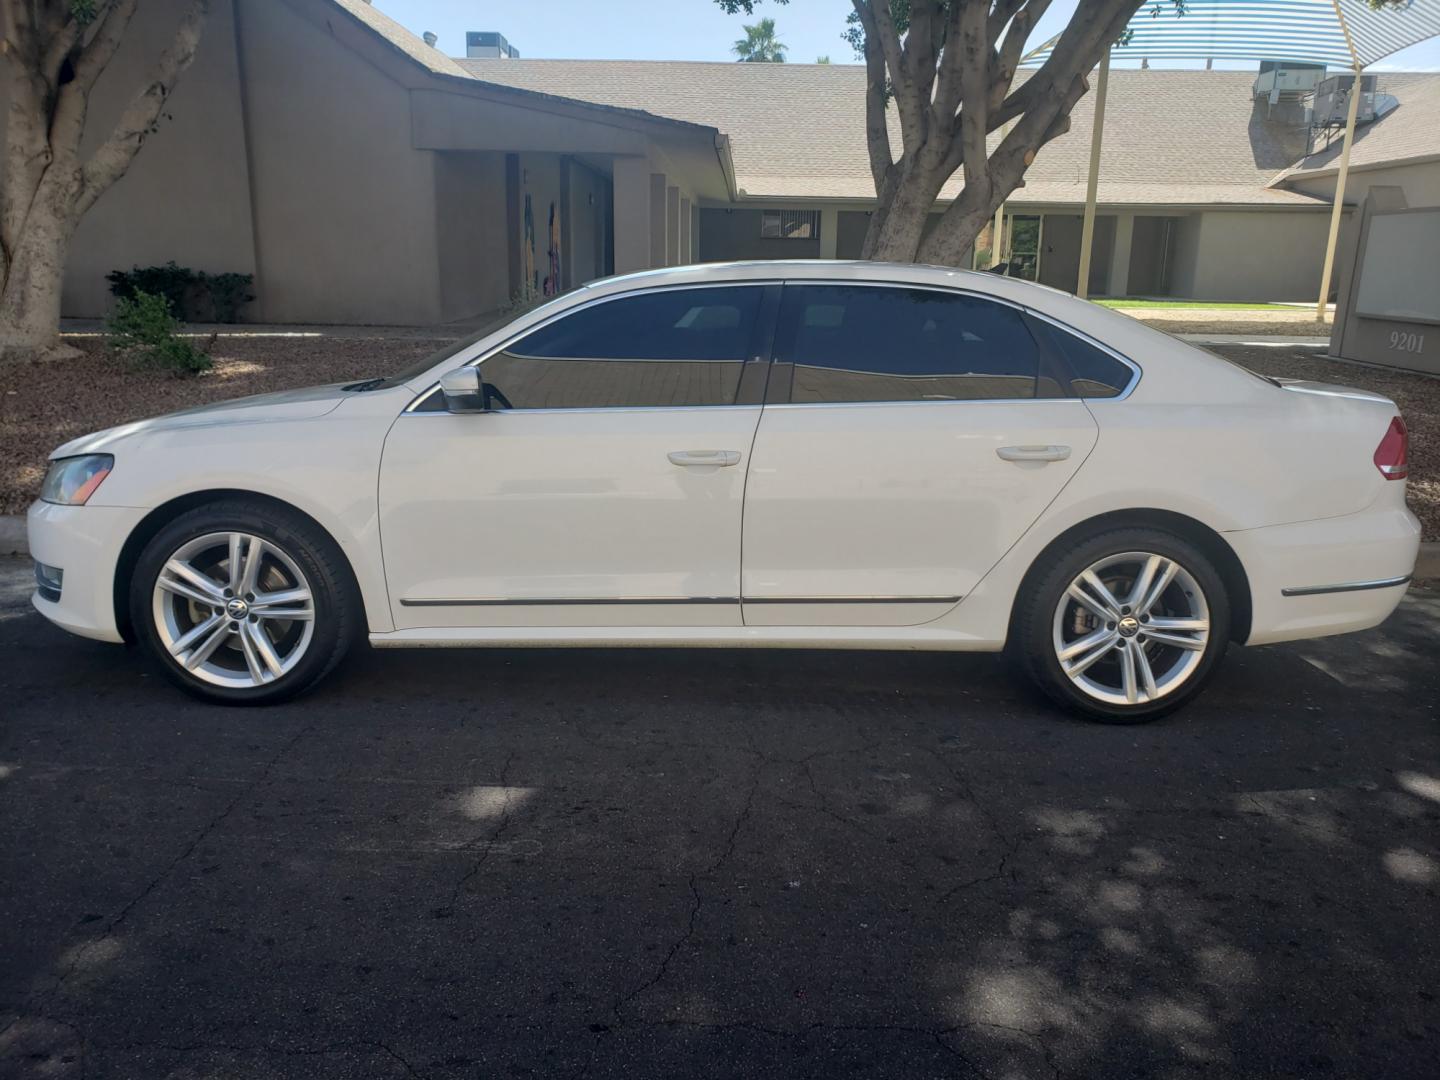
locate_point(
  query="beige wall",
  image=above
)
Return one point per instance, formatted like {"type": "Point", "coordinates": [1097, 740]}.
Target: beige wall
{"type": "Point", "coordinates": [589, 200]}
{"type": "Point", "coordinates": [1246, 256]}
{"type": "Point", "coordinates": [471, 235]}
{"type": "Point", "coordinates": [1420, 183]}
{"type": "Point", "coordinates": [345, 208]}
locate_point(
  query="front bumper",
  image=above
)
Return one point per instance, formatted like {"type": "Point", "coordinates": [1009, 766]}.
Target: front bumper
{"type": "Point", "coordinates": [1331, 576]}
{"type": "Point", "coordinates": [84, 542]}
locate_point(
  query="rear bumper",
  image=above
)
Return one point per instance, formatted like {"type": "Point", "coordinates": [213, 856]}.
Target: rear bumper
{"type": "Point", "coordinates": [1332, 576]}
{"type": "Point", "coordinates": [84, 542]}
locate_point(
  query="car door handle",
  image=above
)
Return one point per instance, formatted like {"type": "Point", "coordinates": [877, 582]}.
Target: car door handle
{"type": "Point", "coordinates": [712, 458]}
{"type": "Point", "coordinates": [1033, 453]}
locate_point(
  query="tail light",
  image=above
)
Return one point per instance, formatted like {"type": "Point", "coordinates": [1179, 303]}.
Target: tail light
{"type": "Point", "coordinates": [1392, 456]}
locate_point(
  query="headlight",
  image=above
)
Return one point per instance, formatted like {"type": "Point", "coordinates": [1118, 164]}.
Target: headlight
{"type": "Point", "coordinates": [71, 481]}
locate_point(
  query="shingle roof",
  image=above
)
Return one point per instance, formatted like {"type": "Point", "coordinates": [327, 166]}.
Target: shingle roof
{"type": "Point", "coordinates": [437, 63]}
{"type": "Point", "coordinates": [1410, 130]}
{"type": "Point", "coordinates": [797, 130]}
{"type": "Point", "coordinates": [400, 38]}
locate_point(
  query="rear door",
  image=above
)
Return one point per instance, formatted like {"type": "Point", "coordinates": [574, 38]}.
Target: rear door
{"type": "Point", "coordinates": [910, 437]}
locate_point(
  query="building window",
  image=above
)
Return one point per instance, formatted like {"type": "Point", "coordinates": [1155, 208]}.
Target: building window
{"type": "Point", "coordinates": [789, 224]}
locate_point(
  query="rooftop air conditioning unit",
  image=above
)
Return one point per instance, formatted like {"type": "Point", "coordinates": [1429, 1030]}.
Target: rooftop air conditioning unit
{"type": "Point", "coordinates": [1281, 80]}
{"type": "Point", "coordinates": [1332, 101]}
{"type": "Point", "coordinates": [483, 44]}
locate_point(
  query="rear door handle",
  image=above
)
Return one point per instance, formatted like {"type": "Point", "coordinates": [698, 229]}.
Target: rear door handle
{"type": "Point", "coordinates": [712, 458]}
{"type": "Point", "coordinates": [1033, 453]}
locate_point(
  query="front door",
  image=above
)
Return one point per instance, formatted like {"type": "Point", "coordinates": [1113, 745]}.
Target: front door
{"type": "Point", "coordinates": [913, 435]}
{"type": "Point", "coordinates": [607, 491]}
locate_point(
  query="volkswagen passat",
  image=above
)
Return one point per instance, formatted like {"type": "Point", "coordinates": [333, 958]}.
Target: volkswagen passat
{"type": "Point", "coordinates": [814, 455]}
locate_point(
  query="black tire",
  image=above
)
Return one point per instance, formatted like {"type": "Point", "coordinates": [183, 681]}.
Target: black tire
{"type": "Point", "coordinates": [337, 611]}
{"type": "Point", "coordinates": [1032, 644]}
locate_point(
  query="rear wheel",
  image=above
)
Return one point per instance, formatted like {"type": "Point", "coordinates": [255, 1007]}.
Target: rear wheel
{"type": "Point", "coordinates": [243, 602]}
{"type": "Point", "coordinates": [1125, 626]}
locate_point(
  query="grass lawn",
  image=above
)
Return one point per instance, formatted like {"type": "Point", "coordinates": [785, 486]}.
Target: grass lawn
{"type": "Point", "coordinates": [44, 405]}
{"type": "Point", "coordinates": [1199, 305]}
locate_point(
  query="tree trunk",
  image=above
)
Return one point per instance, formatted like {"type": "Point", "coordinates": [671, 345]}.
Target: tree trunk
{"type": "Point", "coordinates": [52, 59]}
{"type": "Point", "coordinates": [896, 231]}
{"type": "Point", "coordinates": [35, 274]}
{"type": "Point", "coordinates": [947, 78]}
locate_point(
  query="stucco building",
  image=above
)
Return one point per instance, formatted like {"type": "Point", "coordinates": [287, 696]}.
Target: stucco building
{"type": "Point", "coordinates": [363, 176]}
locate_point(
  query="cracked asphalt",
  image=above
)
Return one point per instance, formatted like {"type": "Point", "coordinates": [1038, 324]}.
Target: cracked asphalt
{"type": "Point", "coordinates": [718, 863]}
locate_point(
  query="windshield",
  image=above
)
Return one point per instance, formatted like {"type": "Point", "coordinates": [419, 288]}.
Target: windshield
{"type": "Point", "coordinates": [454, 348]}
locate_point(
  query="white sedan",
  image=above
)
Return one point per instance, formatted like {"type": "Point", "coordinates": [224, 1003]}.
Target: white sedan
{"type": "Point", "coordinates": [802, 455]}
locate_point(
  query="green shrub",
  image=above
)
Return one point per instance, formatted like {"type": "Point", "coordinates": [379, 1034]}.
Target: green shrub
{"type": "Point", "coordinates": [227, 294]}
{"type": "Point", "coordinates": [194, 296]}
{"type": "Point", "coordinates": [143, 328]}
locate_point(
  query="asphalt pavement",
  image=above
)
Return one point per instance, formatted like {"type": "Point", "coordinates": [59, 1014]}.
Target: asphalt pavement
{"type": "Point", "coordinates": [548, 863]}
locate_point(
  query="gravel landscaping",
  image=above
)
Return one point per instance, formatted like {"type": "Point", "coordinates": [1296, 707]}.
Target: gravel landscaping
{"type": "Point", "coordinates": [1285, 321]}
{"type": "Point", "coordinates": [43, 405]}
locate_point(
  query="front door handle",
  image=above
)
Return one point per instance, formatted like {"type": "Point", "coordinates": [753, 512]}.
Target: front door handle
{"type": "Point", "coordinates": [1033, 453]}
{"type": "Point", "coordinates": [712, 458]}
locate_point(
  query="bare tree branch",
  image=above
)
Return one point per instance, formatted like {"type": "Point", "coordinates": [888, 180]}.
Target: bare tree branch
{"type": "Point", "coordinates": [114, 156]}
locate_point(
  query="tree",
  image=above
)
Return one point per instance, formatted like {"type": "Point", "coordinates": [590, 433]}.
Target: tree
{"type": "Point", "coordinates": [822, 59]}
{"type": "Point", "coordinates": [948, 68]}
{"type": "Point", "coordinates": [52, 53]}
{"type": "Point", "coordinates": [759, 45]}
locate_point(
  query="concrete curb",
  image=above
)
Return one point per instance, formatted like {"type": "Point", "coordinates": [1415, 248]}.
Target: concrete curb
{"type": "Point", "coordinates": [13, 542]}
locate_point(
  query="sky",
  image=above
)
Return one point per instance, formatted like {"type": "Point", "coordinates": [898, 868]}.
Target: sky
{"type": "Point", "coordinates": [698, 29]}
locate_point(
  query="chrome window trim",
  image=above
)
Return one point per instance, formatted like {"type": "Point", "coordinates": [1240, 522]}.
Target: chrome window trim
{"type": "Point", "coordinates": [1349, 586]}
{"type": "Point", "coordinates": [912, 404]}
{"type": "Point", "coordinates": [1135, 371]}
{"type": "Point", "coordinates": [477, 360]}
{"type": "Point", "coordinates": [1024, 309]}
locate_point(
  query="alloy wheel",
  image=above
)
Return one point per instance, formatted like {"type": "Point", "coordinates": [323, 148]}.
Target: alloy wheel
{"type": "Point", "coordinates": [234, 610]}
{"type": "Point", "coordinates": [1131, 628]}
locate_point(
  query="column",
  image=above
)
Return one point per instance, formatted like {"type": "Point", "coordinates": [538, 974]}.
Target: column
{"type": "Point", "coordinates": [687, 238]}
{"type": "Point", "coordinates": [829, 233]}
{"type": "Point", "coordinates": [1118, 282]}
{"type": "Point", "coordinates": [657, 219]}
{"type": "Point", "coordinates": [631, 201]}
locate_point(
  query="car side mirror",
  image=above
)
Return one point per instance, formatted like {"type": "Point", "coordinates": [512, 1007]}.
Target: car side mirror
{"type": "Point", "coordinates": [464, 391]}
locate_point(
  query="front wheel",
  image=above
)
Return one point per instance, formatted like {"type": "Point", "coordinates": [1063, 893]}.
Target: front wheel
{"type": "Point", "coordinates": [1124, 626]}
{"type": "Point", "coordinates": [243, 602]}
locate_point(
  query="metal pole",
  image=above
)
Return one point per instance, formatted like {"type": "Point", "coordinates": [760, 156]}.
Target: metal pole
{"type": "Point", "coordinates": [1339, 204]}
{"type": "Point", "coordinates": [997, 231]}
{"type": "Point", "coordinates": [1087, 231]}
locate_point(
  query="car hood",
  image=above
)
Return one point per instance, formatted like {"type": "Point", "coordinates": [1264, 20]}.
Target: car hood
{"type": "Point", "coordinates": [303, 404]}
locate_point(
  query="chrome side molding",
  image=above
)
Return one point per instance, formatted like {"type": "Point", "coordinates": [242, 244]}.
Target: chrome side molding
{"type": "Point", "coordinates": [1349, 586]}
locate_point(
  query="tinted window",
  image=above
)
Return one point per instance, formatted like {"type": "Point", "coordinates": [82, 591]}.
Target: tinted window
{"type": "Point", "coordinates": [668, 348]}
{"type": "Point", "coordinates": [862, 343]}
{"type": "Point", "coordinates": [1095, 373]}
